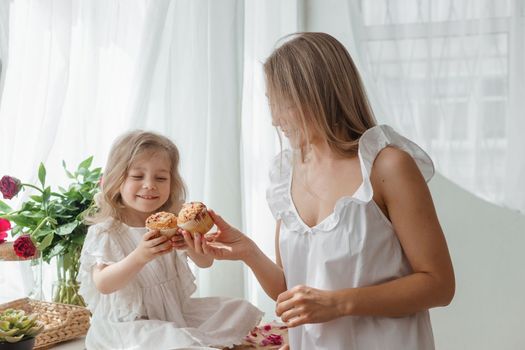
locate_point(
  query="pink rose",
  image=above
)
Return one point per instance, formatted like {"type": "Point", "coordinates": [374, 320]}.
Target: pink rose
{"type": "Point", "coordinates": [24, 247]}
{"type": "Point", "coordinates": [3, 236]}
{"type": "Point", "coordinates": [9, 186]}
{"type": "Point", "coordinates": [5, 225]}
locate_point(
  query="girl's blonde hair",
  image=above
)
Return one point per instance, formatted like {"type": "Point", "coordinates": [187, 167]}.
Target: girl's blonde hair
{"type": "Point", "coordinates": [125, 150]}
{"type": "Point", "coordinates": [314, 74]}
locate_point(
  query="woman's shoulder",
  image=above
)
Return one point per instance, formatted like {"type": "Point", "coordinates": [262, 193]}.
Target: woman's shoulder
{"type": "Point", "coordinates": [383, 150]}
{"type": "Point", "coordinates": [391, 159]}
{"type": "Point", "coordinates": [394, 174]}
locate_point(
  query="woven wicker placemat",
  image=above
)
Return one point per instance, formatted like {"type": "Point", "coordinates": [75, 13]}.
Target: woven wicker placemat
{"type": "Point", "coordinates": [62, 321]}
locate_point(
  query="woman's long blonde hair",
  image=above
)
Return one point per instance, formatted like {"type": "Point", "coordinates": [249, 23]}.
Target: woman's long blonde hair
{"type": "Point", "coordinates": [125, 150]}
{"type": "Point", "coordinates": [315, 75]}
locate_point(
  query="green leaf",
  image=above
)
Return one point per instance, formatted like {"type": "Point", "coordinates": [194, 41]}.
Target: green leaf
{"type": "Point", "coordinates": [37, 215]}
{"type": "Point", "coordinates": [14, 339]}
{"type": "Point", "coordinates": [67, 228]}
{"type": "Point", "coordinates": [42, 232]}
{"type": "Point", "coordinates": [47, 194]}
{"type": "Point", "coordinates": [16, 230]}
{"type": "Point", "coordinates": [4, 325]}
{"type": "Point", "coordinates": [53, 221]}
{"type": "Point", "coordinates": [21, 220]}
{"type": "Point", "coordinates": [56, 250]}
{"type": "Point", "coordinates": [85, 164]}
{"type": "Point", "coordinates": [42, 174]}
{"type": "Point", "coordinates": [68, 173]}
{"type": "Point", "coordinates": [46, 242]}
{"type": "Point", "coordinates": [79, 239]}
{"type": "Point", "coordinates": [4, 207]}
{"type": "Point", "coordinates": [37, 198]}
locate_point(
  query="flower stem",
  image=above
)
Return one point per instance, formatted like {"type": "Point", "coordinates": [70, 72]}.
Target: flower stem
{"type": "Point", "coordinates": [32, 186]}
{"type": "Point", "coordinates": [46, 219]}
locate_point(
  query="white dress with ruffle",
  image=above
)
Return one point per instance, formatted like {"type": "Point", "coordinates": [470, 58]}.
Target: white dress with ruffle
{"type": "Point", "coordinates": [155, 310]}
{"type": "Point", "coordinates": [355, 246]}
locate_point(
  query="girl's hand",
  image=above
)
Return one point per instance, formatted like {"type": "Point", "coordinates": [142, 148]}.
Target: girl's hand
{"type": "Point", "coordinates": [303, 304]}
{"type": "Point", "coordinates": [152, 245]}
{"type": "Point", "coordinates": [227, 243]}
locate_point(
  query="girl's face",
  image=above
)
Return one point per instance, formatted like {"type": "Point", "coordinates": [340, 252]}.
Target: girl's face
{"type": "Point", "coordinates": [147, 184]}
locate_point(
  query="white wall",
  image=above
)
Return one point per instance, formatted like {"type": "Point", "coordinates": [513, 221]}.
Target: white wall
{"type": "Point", "coordinates": [487, 245]}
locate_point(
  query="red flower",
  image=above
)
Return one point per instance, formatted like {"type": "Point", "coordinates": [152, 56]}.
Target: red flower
{"type": "Point", "coordinates": [272, 339]}
{"type": "Point", "coordinates": [3, 236]}
{"type": "Point", "coordinates": [5, 225]}
{"type": "Point", "coordinates": [24, 247]}
{"type": "Point", "coordinates": [10, 186]}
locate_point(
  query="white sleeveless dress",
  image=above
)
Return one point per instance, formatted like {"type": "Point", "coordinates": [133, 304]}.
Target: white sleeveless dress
{"type": "Point", "coordinates": [155, 310]}
{"type": "Point", "coordinates": [355, 246]}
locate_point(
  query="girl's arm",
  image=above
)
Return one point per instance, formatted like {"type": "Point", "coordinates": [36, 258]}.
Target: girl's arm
{"type": "Point", "coordinates": [110, 278]}
{"type": "Point", "coordinates": [230, 244]}
{"type": "Point", "coordinates": [402, 194]}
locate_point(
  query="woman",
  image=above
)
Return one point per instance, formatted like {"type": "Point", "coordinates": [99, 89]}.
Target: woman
{"type": "Point", "coordinates": [361, 256]}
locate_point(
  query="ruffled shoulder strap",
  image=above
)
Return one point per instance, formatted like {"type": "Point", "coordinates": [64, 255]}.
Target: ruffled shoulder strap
{"type": "Point", "coordinates": [277, 192]}
{"type": "Point", "coordinates": [99, 242]}
{"type": "Point", "coordinates": [379, 137]}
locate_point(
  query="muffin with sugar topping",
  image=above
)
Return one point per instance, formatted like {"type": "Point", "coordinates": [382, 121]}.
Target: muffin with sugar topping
{"type": "Point", "coordinates": [193, 217]}
{"type": "Point", "coordinates": [164, 222]}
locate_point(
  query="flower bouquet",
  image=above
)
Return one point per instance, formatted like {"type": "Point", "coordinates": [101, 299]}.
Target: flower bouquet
{"type": "Point", "coordinates": [52, 222]}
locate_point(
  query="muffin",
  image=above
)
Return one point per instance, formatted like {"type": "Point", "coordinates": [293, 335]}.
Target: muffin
{"type": "Point", "coordinates": [164, 222]}
{"type": "Point", "coordinates": [194, 217]}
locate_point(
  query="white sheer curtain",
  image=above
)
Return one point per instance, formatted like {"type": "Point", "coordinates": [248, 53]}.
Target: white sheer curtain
{"type": "Point", "coordinates": [80, 73]}
{"type": "Point", "coordinates": [4, 36]}
{"type": "Point", "coordinates": [265, 22]}
{"type": "Point", "coordinates": [450, 74]}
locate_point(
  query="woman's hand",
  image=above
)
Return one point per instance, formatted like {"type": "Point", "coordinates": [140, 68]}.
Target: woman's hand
{"type": "Point", "coordinates": [193, 244]}
{"type": "Point", "coordinates": [303, 304]}
{"type": "Point", "coordinates": [178, 241]}
{"type": "Point", "coordinates": [152, 245]}
{"type": "Point", "coordinates": [227, 243]}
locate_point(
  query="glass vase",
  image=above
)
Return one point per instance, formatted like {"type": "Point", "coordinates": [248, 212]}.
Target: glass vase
{"type": "Point", "coordinates": [66, 286]}
{"type": "Point", "coordinates": [36, 269]}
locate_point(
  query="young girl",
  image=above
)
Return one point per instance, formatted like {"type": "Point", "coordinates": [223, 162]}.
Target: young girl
{"type": "Point", "coordinates": [136, 285]}
{"type": "Point", "coordinates": [361, 256]}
